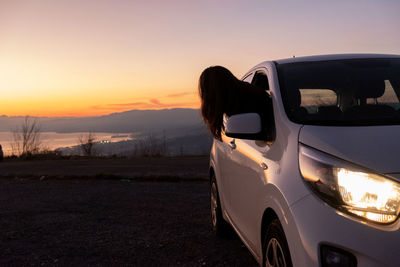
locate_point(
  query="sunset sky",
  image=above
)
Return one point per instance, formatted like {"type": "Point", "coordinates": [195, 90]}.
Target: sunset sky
{"type": "Point", "coordinates": [93, 57]}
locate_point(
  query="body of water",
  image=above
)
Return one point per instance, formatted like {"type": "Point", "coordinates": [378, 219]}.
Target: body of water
{"type": "Point", "coordinates": [53, 140]}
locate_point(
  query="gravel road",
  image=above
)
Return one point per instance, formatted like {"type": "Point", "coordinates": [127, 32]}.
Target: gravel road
{"type": "Point", "coordinates": [158, 167]}
{"type": "Point", "coordinates": [110, 222]}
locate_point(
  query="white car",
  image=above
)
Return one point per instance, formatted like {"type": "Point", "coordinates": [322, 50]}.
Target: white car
{"type": "Point", "coordinates": [326, 190]}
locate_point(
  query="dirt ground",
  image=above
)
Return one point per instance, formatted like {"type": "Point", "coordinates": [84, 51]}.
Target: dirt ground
{"type": "Point", "coordinates": [187, 168]}
{"type": "Point", "coordinates": [103, 222]}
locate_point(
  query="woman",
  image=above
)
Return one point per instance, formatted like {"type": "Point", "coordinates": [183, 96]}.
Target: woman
{"type": "Point", "coordinates": [222, 93]}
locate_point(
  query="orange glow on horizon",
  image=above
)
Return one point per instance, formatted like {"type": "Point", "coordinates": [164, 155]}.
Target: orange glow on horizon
{"type": "Point", "coordinates": [97, 107]}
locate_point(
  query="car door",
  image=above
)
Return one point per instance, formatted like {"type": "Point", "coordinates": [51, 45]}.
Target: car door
{"type": "Point", "coordinates": [224, 153]}
{"type": "Point", "coordinates": [248, 168]}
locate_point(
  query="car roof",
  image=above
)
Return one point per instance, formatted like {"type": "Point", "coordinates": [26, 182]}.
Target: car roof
{"type": "Point", "coordinates": [320, 58]}
{"type": "Point", "coordinates": [333, 57]}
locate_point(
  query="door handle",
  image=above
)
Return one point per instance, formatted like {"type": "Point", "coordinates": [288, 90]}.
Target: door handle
{"type": "Point", "coordinates": [232, 144]}
{"type": "Point", "coordinates": [264, 166]}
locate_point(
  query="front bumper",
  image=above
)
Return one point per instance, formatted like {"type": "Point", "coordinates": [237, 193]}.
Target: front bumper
{"type": "Point", "coordinates": [319, 224]}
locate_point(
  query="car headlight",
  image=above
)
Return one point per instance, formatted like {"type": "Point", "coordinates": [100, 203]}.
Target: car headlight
{"type": "Point", "coordinates": [350, 188]}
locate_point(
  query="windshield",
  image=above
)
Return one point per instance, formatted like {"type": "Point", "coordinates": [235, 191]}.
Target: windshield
{"type": "Point", "coordinates": [342, 92]}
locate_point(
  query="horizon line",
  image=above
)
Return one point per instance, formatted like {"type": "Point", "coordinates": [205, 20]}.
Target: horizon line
{"type": "Point", "coordinates": [86, 116]}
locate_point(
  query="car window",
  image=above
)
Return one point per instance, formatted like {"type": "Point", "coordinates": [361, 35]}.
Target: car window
{"type": "Point", "coordinates": [342, 92]}
{"type": "Point", "coordinates": [248, 77]}
{"type": "Point", "coordinates": [261, 80]}
{"type": "Point", "coordinates": [311, 99]}
{"type": "Point", "coordinates": [388, 98]}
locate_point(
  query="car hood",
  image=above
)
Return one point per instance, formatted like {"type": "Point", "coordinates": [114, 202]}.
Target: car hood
{"type": "Point", "coordinates": [374, 147]}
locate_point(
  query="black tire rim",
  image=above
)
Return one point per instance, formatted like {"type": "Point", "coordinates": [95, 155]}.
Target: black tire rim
{"type": "Point", "coordinates": [274, 254]}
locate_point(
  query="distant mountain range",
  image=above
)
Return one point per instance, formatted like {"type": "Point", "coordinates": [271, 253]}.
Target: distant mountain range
{"type": "Point", "coordinates": [182, 129]}
{"type": "Point", "coordinates": [124, 122]}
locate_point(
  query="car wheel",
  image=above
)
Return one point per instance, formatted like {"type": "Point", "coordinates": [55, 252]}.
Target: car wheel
{"type": "Point", "coordinates": [275, 247]}
{"type": "Point", "coordinates": [219, 225]}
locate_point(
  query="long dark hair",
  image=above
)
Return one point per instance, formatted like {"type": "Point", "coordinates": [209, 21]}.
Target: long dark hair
{"type": "Point", "coordinates": [217, 87]}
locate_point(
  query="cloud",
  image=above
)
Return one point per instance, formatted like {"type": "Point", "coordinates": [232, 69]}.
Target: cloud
{"type": "Point", "coordinates": [144, 105]}
{"type": "Point", "coordinates": [122, 106]}
{"type": "Point", "coordinates": [126, 104]}
{"type": "Point", "coordinates": [150, 103]}
{"type": "Point", "coordinates": [179, 94]}
{"type": "Point", "coordinates": [156, 101]}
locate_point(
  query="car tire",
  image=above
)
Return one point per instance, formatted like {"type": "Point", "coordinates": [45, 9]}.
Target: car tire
{"type": "Point", "coordinates": [275, 248]}
{"type": "Point", "coordinates": [220, 227]}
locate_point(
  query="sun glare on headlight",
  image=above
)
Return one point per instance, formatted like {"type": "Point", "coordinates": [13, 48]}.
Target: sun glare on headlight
{"type": "Point", "coordinates": [365, 190]}
{"type": "Point", "coordinates": [350, 188]}
{"type": "Point", "coordinates": [376, 217]}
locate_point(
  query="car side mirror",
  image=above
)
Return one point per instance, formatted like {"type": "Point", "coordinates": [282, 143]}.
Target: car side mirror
{"type": "Point", "coordinates": [244, 126]}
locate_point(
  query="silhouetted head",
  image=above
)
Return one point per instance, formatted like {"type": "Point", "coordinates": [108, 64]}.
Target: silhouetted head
{"type": "Point", "coordinates": [217, 86]}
